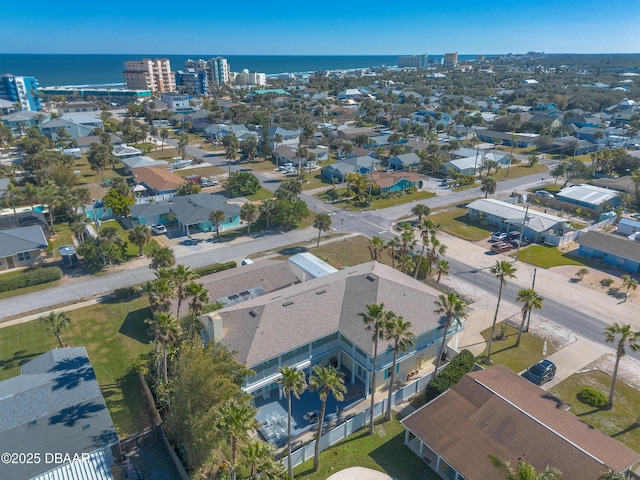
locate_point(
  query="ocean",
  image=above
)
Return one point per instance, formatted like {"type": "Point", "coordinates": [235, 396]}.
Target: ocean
{"type": "Point", "coordinates": [95, 70]}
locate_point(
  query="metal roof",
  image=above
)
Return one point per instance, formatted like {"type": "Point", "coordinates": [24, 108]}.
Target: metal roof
{"type": "Point", "coordinates": [537, 221]}
{"type": "Point", "coordinates": [586, 194]}
{"type": "Point", "coordinates": [93, 466]}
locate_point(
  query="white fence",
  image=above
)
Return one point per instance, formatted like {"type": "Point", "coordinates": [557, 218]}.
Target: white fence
{"type": "Point", "coordinates": [573, 236]}
{"type": "Point", "coordinates": [360, 420]}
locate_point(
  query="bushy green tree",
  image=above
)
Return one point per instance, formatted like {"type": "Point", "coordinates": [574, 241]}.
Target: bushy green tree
{"type": "Point", "coordinates": [242, 184]}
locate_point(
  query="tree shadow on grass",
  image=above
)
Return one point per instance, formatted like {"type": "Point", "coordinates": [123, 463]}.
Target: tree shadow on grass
{"type": "Point", "coordinates": [399, 461]}
{"type": "Point", "coordinates": [630, 428]}
{"type": "Point", "coordinates": [134, 326]}
{"type": "Point", "coordinates": [20, 357]}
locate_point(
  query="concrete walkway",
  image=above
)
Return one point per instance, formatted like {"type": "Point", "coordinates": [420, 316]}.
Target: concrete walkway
{"type": "Point", "coordinates": [359, 473]}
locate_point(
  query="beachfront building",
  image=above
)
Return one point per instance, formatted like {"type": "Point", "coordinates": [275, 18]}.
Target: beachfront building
{"type": "Point", "coordinates": [250, 78]}
{"type": "Point", "coordinates": [147, 74]}
{"type": "Point", "coordinates": [450, 59]}
{"type": "Point", "coordinates": [218, 71]}
{"type": "Point", "coordinates": [111, 95]}
{"type": "Point", "coordinates": [418, 62]}
{"type": "Point", "coordinates": [192, 82]}
{"type": "Point", "coordinates": [22, 90]}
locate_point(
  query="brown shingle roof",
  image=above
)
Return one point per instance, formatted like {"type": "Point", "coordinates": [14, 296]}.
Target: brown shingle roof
{"type": "Point", "coordinates": [158, 179]}
{"type": "Point", "coordinates": [387, 179]}
{"type": "Point", "coordinates": [498, 412]}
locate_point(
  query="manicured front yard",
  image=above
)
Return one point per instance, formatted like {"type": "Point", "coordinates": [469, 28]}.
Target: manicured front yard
{"type": "Point", "coordinates": [620, 421]}
{"type": "Point", "coordinates": [456, 222]}
{"type": "Point", "coordinates": [517, 171]}
{"type": "Point", "coordinates": [378, 203]}
{"type": "Point", "coordinates": [545, 256]}
{"type": "Point", "coordinates": [114, 335]}
{"type": "Point", "coordinates": [504, 352]}
{"type": "Point", "coordinates": [383, 451]}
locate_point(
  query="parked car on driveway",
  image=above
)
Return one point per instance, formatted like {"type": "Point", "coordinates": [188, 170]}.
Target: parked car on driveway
{"type": "Point", "coordinates": [500, 247]}
{"type": "Point", "coordinates": [541, 372]}
{"type": "Point", "coordinates": [158, 229]}
{"type": "Point", "coordinates": [545, 194]}
{"type": "Point", "coordinates": [499, 236]}
{"type": "Point", "coordinates": [206, 182]}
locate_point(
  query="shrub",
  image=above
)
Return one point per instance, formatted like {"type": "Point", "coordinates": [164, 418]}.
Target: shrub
{"type": "Point", "coordinates": [122, 293]}
{"type": "Point", "coordinates": [459, 366]}
{"type": "Point", "coordinates": [606, 282]}
{"type": "Point", "coordinates": [35, 276]}
{"type": "Point", "coordinates": [218, 267]}
{"type": "Point", "coordinates": [592, 397]}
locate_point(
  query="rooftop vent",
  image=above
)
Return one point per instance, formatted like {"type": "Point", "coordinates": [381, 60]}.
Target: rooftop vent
{"type": "Point", "coordinates": [287, 303]}
{"type": "Point", "coordinates": [320, 292]}
{"type": "Point", "coordinates": [371, 278]}
{"type": "Point", "coordinates": [253, 313]}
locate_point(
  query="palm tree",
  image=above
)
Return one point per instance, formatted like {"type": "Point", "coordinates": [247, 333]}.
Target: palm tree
{"type": "Point", "coordinates": [392, 247]}
{"type": "Point", "coordinates": [489, 186]}
{"type": "Point", "coordinates": [613, 475]}
{"type": "Point", "coordinates": [525, 471]}
{"type": "Point", "coordinates": [56, 323]}
{"type": "Point", "coordinates": [374, 320]}
{"type": "Point", "coordinates": [267, 208]}
{"type": "Point", "coordinates": [420, 210]}
{"type": "Point", "coordinates": [277, 140]}
{"type": "Point", "coordinates": [160, 291]}
{"type": "Point", "coordinates": [398, 330]}
{"type": "Point", "coordinates": [327, 380]}
{"type": "Point", "coordinates": [293, 382]}
{"type": "Point", "coordinates": [259, 455]}
{"type": "Point", "coordinates": [166, 330]}
{"type": "Point", "coordinates": [49, 194]}
{"type": "Point", "coordinates": [427, 229]}
{"type": "Point", "coordinates": [442, 267]}
{"type": "Point", "coordinates": [531, 301]}
{"type": "Point", "coordinates": [626, 335]}
{"type": "Point", "coordinates": [183, 143]}
{"type": "Point", "coordinates": [140, 235]}
{"type": "Point", "coordinates": [237, 418]}
{"type": "Point", "coordinates": [629, 283]}
{"type": "Point", "coordinates": [249, 213]}
{"type": "Point", "coordinates": [199, 298]}
{"type": "Point", "coordinates": [323, 223]}
{"type": "Point", "coordinates": [161, 257]}
{"type": "Point", "coordinates": [501, 270]}
{"type": "Point", "coordinates": [376, 246]}
{"type": "Point", "coordinates": [453, 308]}
{"type": "Point", "coordinates": [164, 135]}
{"type": "Point", "coordinates": [217, 217]}
{"type": "Point", "coordinates": [181, 276]}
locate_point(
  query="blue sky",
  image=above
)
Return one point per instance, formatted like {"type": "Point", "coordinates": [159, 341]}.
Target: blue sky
{"type": "Point", "coordinates": [320, 28]}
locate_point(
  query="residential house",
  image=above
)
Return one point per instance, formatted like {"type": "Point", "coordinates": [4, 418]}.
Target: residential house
{"type": "Point", "coordinates": [177, 102]}
{"type": "Point", "coordinates": [56, 406]}
{"type": "Point", "coordinates": [191, 212]}
{"type": "Point", "coordinates": [361, 165]}
{"type": "Point", "coordinates": [351, 94]}
{"type": "Point", "coordinates": [78, 107]}
{"type": "Point", "coordinates": [218, 131]}
{"type": "Point", "coordinates": [20, 121]}
{"type": "Point", "coordinates": [507, 138]}
{"type": "Point", "coordinates": [157, 180]}
{"type": "Point", "coordinates": [75, 130]}
{"type": "Point", "coordinates": [7, 107]}
{"type": "Point", "coordinates": [84, 143]}
{"type": "Point", "coordinates": [388, 182]}
{"type": "Point", "coordinates": [126, 151]}
{"type": "Point", "coordinates": [441, 118]}
{"type": "Point", "coordinates": [475, 163]}
{"type": "Point", "coordinates": [538, 226]}
{"type": "Point", "coordinates": [321, 152]}
{"type": "Point", "coordinates": [131, 163]}
{"type": "Point", "coordinates": [286, 154]}
{"type": "Point", "coordinates": [288, 137]}
{"type": "Point", "coordinates": [405, 161]}
{"type": "Point", "coordinates": [611, 249]}
{"type": "Point", "coordinates": [85, 119]}
{"type": "Point", "coordinates": [627, 226]}
{"type": "Point", "coordinates": [323, 327]}
{"type": "Point", "coordinates": [22, 247]}
{"type": "Point", "coordinates": [571, 145]}
{"type": "Point", "coordinates": [589, 196]}
{"type": "Point", "coordinates": [497, 412]}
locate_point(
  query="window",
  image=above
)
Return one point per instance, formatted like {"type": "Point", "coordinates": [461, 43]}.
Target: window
{"type": "Point", "coordinates": [24, 256]}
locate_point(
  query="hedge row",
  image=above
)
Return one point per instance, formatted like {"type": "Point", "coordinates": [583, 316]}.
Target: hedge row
{"type": "Point", "coordinates": [459, 366]}
{"type": "Point", "coordinates": [35, 276]}
{"type": "Point", "coordinates": [218, 267]}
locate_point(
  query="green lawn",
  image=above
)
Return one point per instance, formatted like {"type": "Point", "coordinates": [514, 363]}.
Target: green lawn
{"type": "Point", "coordinates": [63, 236]}
{"type": "Point", "coordinates": [383, 451]}
{"type": "Point", "coordinates": [545, 256]}
{"type": "Point", "coordinates": [316, 180]}
{"type": "Point", "coordinates": [262, 194]}
{"type": "Point", "coordinates": [132, 250]}
{"type": "Point", "coordinates": [504, 352]}
{"type": "Point", "coordinates": [377, 203]}
{"type": "Point", "coordinates": [517, 171]}
{"type": "Point", "coordinates": [209, 171]}
{"type": "Point", "coordinates": [351, 251]}
{"type": "Point", "coordinates": [620, 421]}
{"type": "Point", "coordinates": [456, 222]}
{"type": "Point", "coordinates": [114, 335]}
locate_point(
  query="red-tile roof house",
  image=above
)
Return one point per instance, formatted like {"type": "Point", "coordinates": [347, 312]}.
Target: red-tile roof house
{"type": "Point", "coordinates": [497, 412]}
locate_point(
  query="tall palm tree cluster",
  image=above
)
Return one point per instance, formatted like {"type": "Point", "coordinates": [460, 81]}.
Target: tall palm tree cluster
{"type": "Point", "coordinates": [171, 284]}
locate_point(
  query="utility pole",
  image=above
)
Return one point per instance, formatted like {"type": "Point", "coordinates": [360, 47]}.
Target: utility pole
{"type": "Point", "coordinates": [522, 231]}
{"type": "Point", "coordinates": [533, 286]}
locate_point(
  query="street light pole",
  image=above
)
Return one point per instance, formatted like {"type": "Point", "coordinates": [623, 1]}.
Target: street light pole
{"type": "Point", "coordinates": [522, 232]}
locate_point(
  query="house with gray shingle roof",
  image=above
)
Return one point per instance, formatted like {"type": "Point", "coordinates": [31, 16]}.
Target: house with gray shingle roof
{"type": "Point", "coordinates": [191, 212]}
{"type": "Point", "coordinates": [616, 250]}
{"type": "Point", "coordinates": [317, 322]}
{"type": "Point", "coordinates": [55, 405]}
{"type": "Point", "coordinates": [22, 247]}
{"type": "Point", "coordinates": [404, 161]}
{"type": "Point", "coordinates": [361, 165]}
